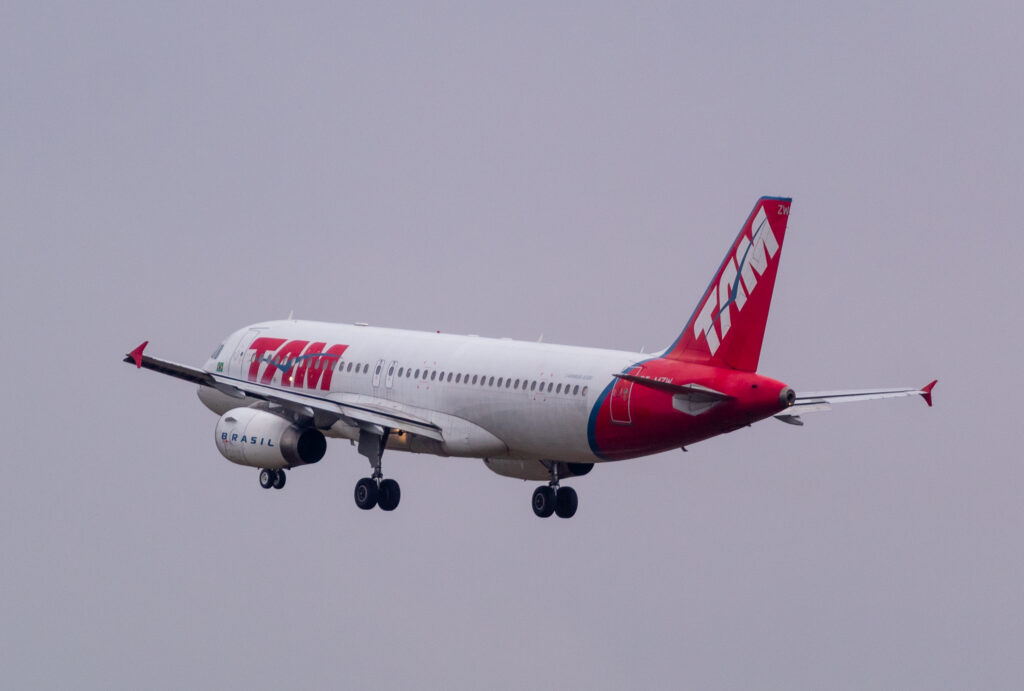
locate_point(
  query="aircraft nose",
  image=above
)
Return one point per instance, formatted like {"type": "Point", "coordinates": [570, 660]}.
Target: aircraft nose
{"type": "Point", "coordinates": [787, 396]}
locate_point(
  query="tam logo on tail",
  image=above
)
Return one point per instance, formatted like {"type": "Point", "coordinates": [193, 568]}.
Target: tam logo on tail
{"type": "Point", "coordinates": [727, 328]}
{"type": "Point", "coordinates": [738, 279]}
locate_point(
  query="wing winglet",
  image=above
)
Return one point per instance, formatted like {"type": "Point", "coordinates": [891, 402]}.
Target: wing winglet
{"type": "Point", "coordinates": [926, 392]}
{"type": "Point", "coordinates": [136, 355]}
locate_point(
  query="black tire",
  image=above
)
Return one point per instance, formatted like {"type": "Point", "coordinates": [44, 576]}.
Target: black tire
{"type": "Point", "coordinates": [366, 494]}
{"type": "Point", "coordinates": [544, 501]}
{"type": "Point", "coordinates": [266, 478]}
{"type": "Point", "coordinates": [566, 502]}
{"type": "Point", "coordinates": [389, 494]}
{"type": "Point", "coordinates": [279, 479]}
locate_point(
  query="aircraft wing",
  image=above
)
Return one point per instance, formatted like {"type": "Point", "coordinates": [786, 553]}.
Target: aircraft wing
{"type": "Point", "coordinates": [356, 409]}
{"type": "Point", "coordinates": [823, 400]}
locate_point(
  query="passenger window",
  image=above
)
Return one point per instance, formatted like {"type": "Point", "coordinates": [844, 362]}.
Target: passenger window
{"type": "Point", "coordinates": [449, 376]}
{"type": "Point", "coordinates": [350, 367]}
{"type": "Point", "coordinates": [516, 385]}
{"type": "Point", "coordinates": [508, 383]}
{"type": "Point", "coordinates": [576, 390]}
{"type": "Point", "coordinates": [417, 374]}
{"type": "Point", "coordinates": [533, 386]}
{"type": "Point", "coordinates": [558, 390]}
{"type": "Point", "coordinates": [549, 387]}
{"type": "Point", "coordinates": [440, 377]}
{"type": "Point", "coordinates": [377, 371]}
{"type": "Point", "coordinates": [584, 391]}
{"type": "Point", "coordinates": [391, 371]}
{"type": "Point", "coordinates": [433, 375]}
{"type": "Point", "coordinates": [458, 378]}
{"type": "Point", "coordinates": [474, 379]}
{"type": "Point", "coordinates": [401, 371]}
{"type": "Point", "coordinates": [499, 382]}
{"type": "Point", "coordinates": [492, 382]}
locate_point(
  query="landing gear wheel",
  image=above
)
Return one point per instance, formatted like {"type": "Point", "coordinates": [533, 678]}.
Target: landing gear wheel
{"type": "Point", "coordinates": [389, 494]}
{"type": "Point", "coordinates": [544, 501]}
{"type": "Point", "coordinates": [279, 480]}
{"type": "Point", "coordinates": [366, 494]}
{"type": "Point", "coordinates": [266, 478]}
{"type": "Point", "coordinates": [566, 502]}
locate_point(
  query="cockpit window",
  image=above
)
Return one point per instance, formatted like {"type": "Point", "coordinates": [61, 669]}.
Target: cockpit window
{"type": "Point", "coordinates": [217, 352]}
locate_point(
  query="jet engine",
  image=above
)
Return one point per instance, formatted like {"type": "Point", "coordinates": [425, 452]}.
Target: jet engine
{"type": "Point", "coordinates": [535, 470]}
{"type": "Point", "coordinates": [252, 437]}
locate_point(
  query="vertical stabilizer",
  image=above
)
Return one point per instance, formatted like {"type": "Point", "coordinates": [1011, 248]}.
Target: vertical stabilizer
{"type": "Point", "coordinates": [727, 328]}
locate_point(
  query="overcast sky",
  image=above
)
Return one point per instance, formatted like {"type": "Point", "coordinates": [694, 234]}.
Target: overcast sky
{"type": "Point", "coordinates": [172, 172]}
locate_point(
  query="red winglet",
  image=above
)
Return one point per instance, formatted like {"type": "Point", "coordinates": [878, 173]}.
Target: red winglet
{"type": "Point", "coordinates": [926, 393]}
{"type": "Point", "coordinates": [136, 355]}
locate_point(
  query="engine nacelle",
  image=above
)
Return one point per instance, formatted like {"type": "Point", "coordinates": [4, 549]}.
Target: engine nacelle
{"type": "Point", "coordinates": [535, 470]}
{"type": "Point", "coordinates": [248, 436]}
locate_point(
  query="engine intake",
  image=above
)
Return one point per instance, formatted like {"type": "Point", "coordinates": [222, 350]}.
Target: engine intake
{"type": "Point", "coordinates": [256, 438]}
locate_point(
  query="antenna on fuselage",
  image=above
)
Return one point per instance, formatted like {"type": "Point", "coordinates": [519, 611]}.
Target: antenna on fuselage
{"type": "Point", "coordinates": [540, 339]}
{"type": "Point", "coordinates": [291, 313]}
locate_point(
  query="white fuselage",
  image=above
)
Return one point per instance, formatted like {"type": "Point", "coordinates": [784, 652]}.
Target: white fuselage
{"type": "Point", "coordinates": [498, 398]}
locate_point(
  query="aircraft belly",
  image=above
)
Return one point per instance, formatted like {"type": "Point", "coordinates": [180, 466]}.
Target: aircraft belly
{"type": "Point", "coordinates": [552, 429]}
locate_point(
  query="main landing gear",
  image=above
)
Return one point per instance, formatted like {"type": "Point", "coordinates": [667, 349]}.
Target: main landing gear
{"type": "Point", "coordinates": [552, 499]}
{"type": "Point", "coordinates": [376, 490]}
{"type": "Point", "coordinates": [272, 478]}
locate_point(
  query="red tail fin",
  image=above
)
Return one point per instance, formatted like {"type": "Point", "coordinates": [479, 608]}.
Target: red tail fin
{"type": "Point", "coordinates": [727, 327]}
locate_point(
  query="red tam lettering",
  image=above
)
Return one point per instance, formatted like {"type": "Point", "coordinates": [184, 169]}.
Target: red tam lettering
{"type": "Point", "coordinates": [326, 369]}
{"type": "Point", "coordinates": [288, 350]}
{"type": "Point", "coordinates": [308, 363]}
{"type": "Point", "coordinates": [261, 345]}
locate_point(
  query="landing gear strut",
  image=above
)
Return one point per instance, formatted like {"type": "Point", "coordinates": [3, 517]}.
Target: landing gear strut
{"type": "Point", "coordinates": [272, 478]}
{"type": "Point", "coordinates": [376, 490]}
{"type": "Point", "coordinates": [553, 499]}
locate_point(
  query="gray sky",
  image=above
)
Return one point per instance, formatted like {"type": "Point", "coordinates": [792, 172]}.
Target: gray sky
{"type": "Point", "coordinates": [173, 172]}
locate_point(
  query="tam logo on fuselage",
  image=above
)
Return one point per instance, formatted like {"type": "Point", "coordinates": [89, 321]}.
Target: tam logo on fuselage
{"type": "Point", "coordinates": [302, 364]}
{"type": "Point", "coordinates": [738, 280]}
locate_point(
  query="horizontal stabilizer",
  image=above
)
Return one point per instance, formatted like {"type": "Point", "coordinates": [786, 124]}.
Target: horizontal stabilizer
{"type": "Point", "coordinates": [823, 400]}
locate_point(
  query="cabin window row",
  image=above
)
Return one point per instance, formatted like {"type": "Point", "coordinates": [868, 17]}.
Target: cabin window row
{"type": "Point", "coordinates": [425, 374]}
{"type": "Point", "coordinates": [315, 363]}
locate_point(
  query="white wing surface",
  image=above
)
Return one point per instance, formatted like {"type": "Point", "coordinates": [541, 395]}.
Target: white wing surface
{"type": "Point", "coordinates": [361, 410]}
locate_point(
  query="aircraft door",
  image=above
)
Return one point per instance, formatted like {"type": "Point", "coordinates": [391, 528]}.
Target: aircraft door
{"type": "Point", "coordinates": [390, 378]}
{"type": "Point", "coordinates": [239, 364]}
{"type": "Point", "coordinates": [376, 373]}
{"type": "Point", "coordinates": [619, 403]}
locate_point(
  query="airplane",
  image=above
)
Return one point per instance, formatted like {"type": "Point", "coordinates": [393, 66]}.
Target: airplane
{"type": "Point", "coordinates": [531, 410]}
